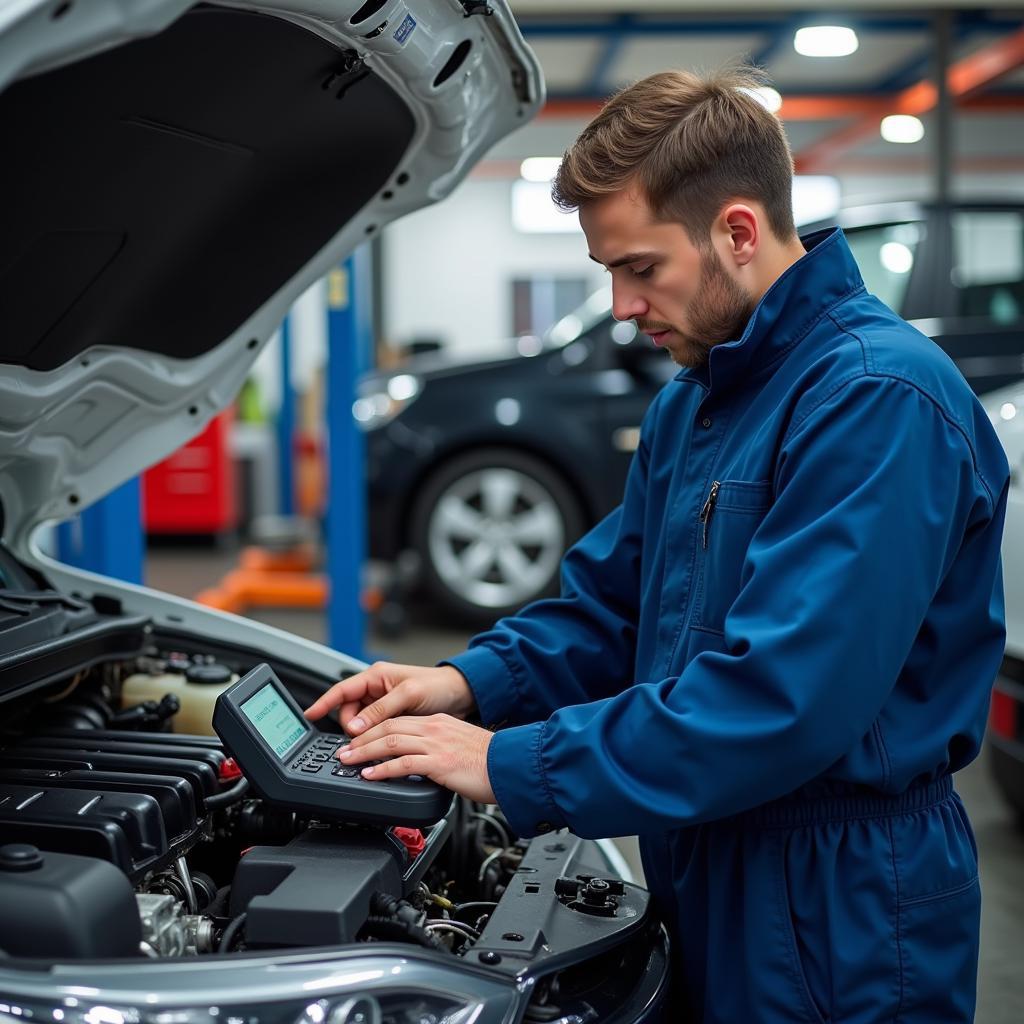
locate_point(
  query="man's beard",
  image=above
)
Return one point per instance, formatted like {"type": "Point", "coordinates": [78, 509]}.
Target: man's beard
{"type": "Point", "coordinates": [720, 311]}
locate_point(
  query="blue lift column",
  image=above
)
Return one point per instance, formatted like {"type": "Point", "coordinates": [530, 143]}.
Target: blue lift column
{"type": "Point", "coordinates": [349, 353]}
{"type": "Point", "coordinates": [107, 537]}
{"type": "Point", "coordinates": [286, 426]}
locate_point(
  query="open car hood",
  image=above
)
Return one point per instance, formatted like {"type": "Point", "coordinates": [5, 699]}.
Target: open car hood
{"type": "Point", "coordinates": [177, 174]}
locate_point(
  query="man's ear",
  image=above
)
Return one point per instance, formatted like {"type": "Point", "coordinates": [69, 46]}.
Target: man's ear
{"type": "Point", "coordinates": [740, 231]}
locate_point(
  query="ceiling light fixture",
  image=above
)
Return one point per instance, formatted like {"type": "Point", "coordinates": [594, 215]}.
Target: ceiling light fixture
{"type": "Point", "coordinates": [825, 41]}
{"type": "Point", "coordinates": [767, 96]}
{"type": "Point", "coordinates": [539, 168]}
{"type": "Point", "coordinates": [901, 128]}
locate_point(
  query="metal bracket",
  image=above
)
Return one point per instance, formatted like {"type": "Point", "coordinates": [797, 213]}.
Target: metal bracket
{"type": "Point", "coordinates": [352, 69]}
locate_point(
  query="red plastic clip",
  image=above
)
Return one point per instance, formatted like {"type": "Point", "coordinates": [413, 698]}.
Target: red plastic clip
{"type": "Point", "coordinates": [229, 770]}
{"type": "Point", "coordinates": [412, 839]}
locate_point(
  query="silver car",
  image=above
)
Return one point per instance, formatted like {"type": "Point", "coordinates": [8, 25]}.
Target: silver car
{"type": "Point", "coordinates": [174, 176]}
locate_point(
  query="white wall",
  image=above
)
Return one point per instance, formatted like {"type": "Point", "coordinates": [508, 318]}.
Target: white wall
{"type": "Point", "coordinates": [448, 269]}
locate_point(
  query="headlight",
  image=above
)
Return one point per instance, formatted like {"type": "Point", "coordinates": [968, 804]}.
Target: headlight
{"type": "Point", "coordinates": [379, 989]}
{"type": "Point", "coordinates": [379, 403]}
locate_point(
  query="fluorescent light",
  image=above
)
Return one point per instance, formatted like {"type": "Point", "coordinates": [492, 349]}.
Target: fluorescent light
{"type": "Point", "coordinates": [815, 197]}
{"type": "Point", "coordinates": [902, 128]}
{"type": "Point", "coordinates": [896, 257]}
{"type": "Point", "coordinates": [825, 41]}
{"type": "Point", "coordinates": [767, 96]}
{"type": "Point", "coordinates": [540, 168]}
{"type": "Point", "coordinates": [533, 211]}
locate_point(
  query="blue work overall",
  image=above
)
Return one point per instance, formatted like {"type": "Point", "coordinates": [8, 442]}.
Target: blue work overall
{"type": "Point", "coordinates": [769, 660]}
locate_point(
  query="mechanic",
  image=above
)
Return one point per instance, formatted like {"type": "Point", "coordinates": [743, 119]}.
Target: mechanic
{"type": "Point", "coordinates": [769, 660]}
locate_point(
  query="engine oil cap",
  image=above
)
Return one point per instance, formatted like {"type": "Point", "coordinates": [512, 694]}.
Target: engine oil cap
{"type": "Point", "coordinates": [20, 857]}
{"type": "Point", "coordinates": [212, 675]}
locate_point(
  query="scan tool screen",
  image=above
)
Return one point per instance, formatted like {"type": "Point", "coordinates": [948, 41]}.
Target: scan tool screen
{"type": "Point", "coordinates": [274, 720]}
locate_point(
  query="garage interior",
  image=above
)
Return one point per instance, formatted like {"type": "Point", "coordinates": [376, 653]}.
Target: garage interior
{"type": "Point", "coordinates": [239, 518]}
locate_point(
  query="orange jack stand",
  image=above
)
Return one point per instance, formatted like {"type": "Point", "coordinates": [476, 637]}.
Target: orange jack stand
{"type": "Point", "coordinates": [274, 579]}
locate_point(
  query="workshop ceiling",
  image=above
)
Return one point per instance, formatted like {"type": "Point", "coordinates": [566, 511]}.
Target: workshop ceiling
{"type": "Point", "coordinates": [831, 106]}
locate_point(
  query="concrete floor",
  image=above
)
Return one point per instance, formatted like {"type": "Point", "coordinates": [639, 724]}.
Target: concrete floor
{"type": "Point", "coordinates": [429, 637]}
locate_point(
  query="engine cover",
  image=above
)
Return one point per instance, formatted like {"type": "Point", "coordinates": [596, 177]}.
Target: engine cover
{"type": "Point", "coordinates": [316, 890]}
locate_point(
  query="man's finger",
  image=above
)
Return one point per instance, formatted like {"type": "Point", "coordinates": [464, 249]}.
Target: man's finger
{"type": "Point", "coordinates": [408, 725]}
{"type": "Point", "coordinates": [391, 705]}
{"type": "Point", "coordinates": [348, 711]}
{"type": "Point", "coordinates": [399, 767]}
{"type": "Point", "coordinates": [394, 745]}
{"type": "Point", "coordinates": [350, 690]}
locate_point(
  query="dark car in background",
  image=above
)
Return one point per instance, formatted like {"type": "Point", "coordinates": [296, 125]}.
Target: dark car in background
{"type": "Point", "coordinates": [487, 471]}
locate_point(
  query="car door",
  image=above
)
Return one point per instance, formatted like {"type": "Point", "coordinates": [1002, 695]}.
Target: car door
{"type": "Point", "coordinates": [895, 263]}
{"type": "Point", "coordinates": [630, 372]}
{"type": "Point", "coordinates": [982, 327]}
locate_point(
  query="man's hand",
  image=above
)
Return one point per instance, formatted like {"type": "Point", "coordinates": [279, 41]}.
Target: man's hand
{"type": "Point", "coordinates": [438, 747]}
{"type": "Point", "coordinates": [384, 691]}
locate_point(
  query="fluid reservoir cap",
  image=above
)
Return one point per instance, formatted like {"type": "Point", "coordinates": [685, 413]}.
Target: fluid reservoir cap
{"type": "Point", "coordinates": [214, 675]}
{"type": "Point", "coordinates": [20, 857]}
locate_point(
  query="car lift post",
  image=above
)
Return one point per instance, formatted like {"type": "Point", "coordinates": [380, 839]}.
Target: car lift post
{"type": "Point", "coordinates": [106, 538]}
{"type": "Point", "coordinates": [349, 352]}
{"type": "Point", "coordinates": [286, 426]}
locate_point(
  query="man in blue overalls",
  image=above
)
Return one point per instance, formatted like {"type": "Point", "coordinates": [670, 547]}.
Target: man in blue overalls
{"type": "Point", "coordinates": [769, 660]}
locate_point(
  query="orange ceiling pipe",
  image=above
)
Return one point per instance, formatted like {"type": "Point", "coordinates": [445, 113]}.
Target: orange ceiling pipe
{"type": "Point", "coordinates": [965, 77]}
{"type": "Point", "coordinates": [819, 108]}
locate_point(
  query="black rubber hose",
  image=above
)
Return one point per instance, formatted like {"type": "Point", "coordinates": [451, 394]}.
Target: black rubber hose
{"type": "Point", "coordinates": [390, 928]}
{"type": "Point", "coordinates": [234, 927]}
{"type": "Point", "coordinates": [228, 797]}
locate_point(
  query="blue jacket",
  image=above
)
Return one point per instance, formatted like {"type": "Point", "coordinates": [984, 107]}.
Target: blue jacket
{"type": "Point", "coordinates": [801, 583]}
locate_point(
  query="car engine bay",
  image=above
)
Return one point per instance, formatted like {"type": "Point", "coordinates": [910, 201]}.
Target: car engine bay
{"type": "Point", "coordinates": [124, 837]}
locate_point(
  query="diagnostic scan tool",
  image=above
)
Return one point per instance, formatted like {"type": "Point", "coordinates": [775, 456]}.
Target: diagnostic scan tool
{"type": "Point", "coordinates": [288, 761]}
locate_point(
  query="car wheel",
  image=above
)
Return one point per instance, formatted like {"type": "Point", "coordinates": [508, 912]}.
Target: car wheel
{"type": "Point", "coordinates": [491, 527]}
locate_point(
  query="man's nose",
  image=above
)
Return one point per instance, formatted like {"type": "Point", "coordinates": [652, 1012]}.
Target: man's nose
{"type": "Point", "coordinates": [627, 304]}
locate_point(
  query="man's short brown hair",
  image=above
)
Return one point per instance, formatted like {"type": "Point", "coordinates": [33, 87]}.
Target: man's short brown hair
{"type": "Point", "coordinates": [692, 143]}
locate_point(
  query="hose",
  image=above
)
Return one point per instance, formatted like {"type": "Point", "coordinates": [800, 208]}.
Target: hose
{"type": "Point", "coordinates": [228, 797]}
{"type": "Point", "coordinates": [402, 931]}
{"type": "Point", "coordinates": [233, 928]}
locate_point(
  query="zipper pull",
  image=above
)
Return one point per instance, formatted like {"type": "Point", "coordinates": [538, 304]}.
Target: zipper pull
{"type": "Point", "coordinates": [709, 509]}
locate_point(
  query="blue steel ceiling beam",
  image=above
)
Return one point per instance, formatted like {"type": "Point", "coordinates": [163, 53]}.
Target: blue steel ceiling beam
{"type": "Point", "coordinates": [598, 80]}
{"type": "Point", "coordinates": [677, 26]}
{"type": "Point", "coordinates": [777, 40]}
{"type": "Point", "coordinates": [966, 24]}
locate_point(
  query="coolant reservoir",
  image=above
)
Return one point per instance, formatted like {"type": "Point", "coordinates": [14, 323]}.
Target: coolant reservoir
{"type": "Point", "coordinates": [197, 687]}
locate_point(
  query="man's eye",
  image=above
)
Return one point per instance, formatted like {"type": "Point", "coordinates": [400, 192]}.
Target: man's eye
{"type": "Point", "coordinates": [645, 272]}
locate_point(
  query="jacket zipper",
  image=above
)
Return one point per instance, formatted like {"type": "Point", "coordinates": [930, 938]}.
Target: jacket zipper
{"type": "Point", "coordinates": [709, 510]}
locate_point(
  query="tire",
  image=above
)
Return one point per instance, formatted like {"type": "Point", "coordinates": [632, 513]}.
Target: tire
{"type": "Point", "coordinates": [490, 527]}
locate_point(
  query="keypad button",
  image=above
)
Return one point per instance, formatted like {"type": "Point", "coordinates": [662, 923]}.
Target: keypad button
{"type": "Point", "coordinates": [312, 767]}
{"type": "Point", "coordinates": [320, 757]}
{"type": "Point", "coordinates": [346, 773]}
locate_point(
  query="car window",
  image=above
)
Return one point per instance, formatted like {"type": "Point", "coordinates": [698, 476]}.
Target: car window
{"type": "Point", "coordinates": [988, 264]}
{"type": "Point", "coordinates": [885, 254]}
{"type": "Point", "coordinates": [580, 321]}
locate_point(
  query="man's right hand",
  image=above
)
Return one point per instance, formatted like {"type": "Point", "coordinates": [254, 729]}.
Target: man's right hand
{"type": "Point", "coordinates": [385, 691]}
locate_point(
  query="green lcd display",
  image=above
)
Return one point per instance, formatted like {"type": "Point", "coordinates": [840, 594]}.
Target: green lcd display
{"type": "Point", "coordinates": [274, 720]}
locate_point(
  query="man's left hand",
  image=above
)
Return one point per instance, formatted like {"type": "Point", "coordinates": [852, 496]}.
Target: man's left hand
{"type": "Point", "coordinates": [439, 747]}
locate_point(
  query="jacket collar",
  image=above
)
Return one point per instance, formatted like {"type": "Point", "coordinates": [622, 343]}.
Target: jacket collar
{"type": "Point", "coordinates": [795, 302]}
